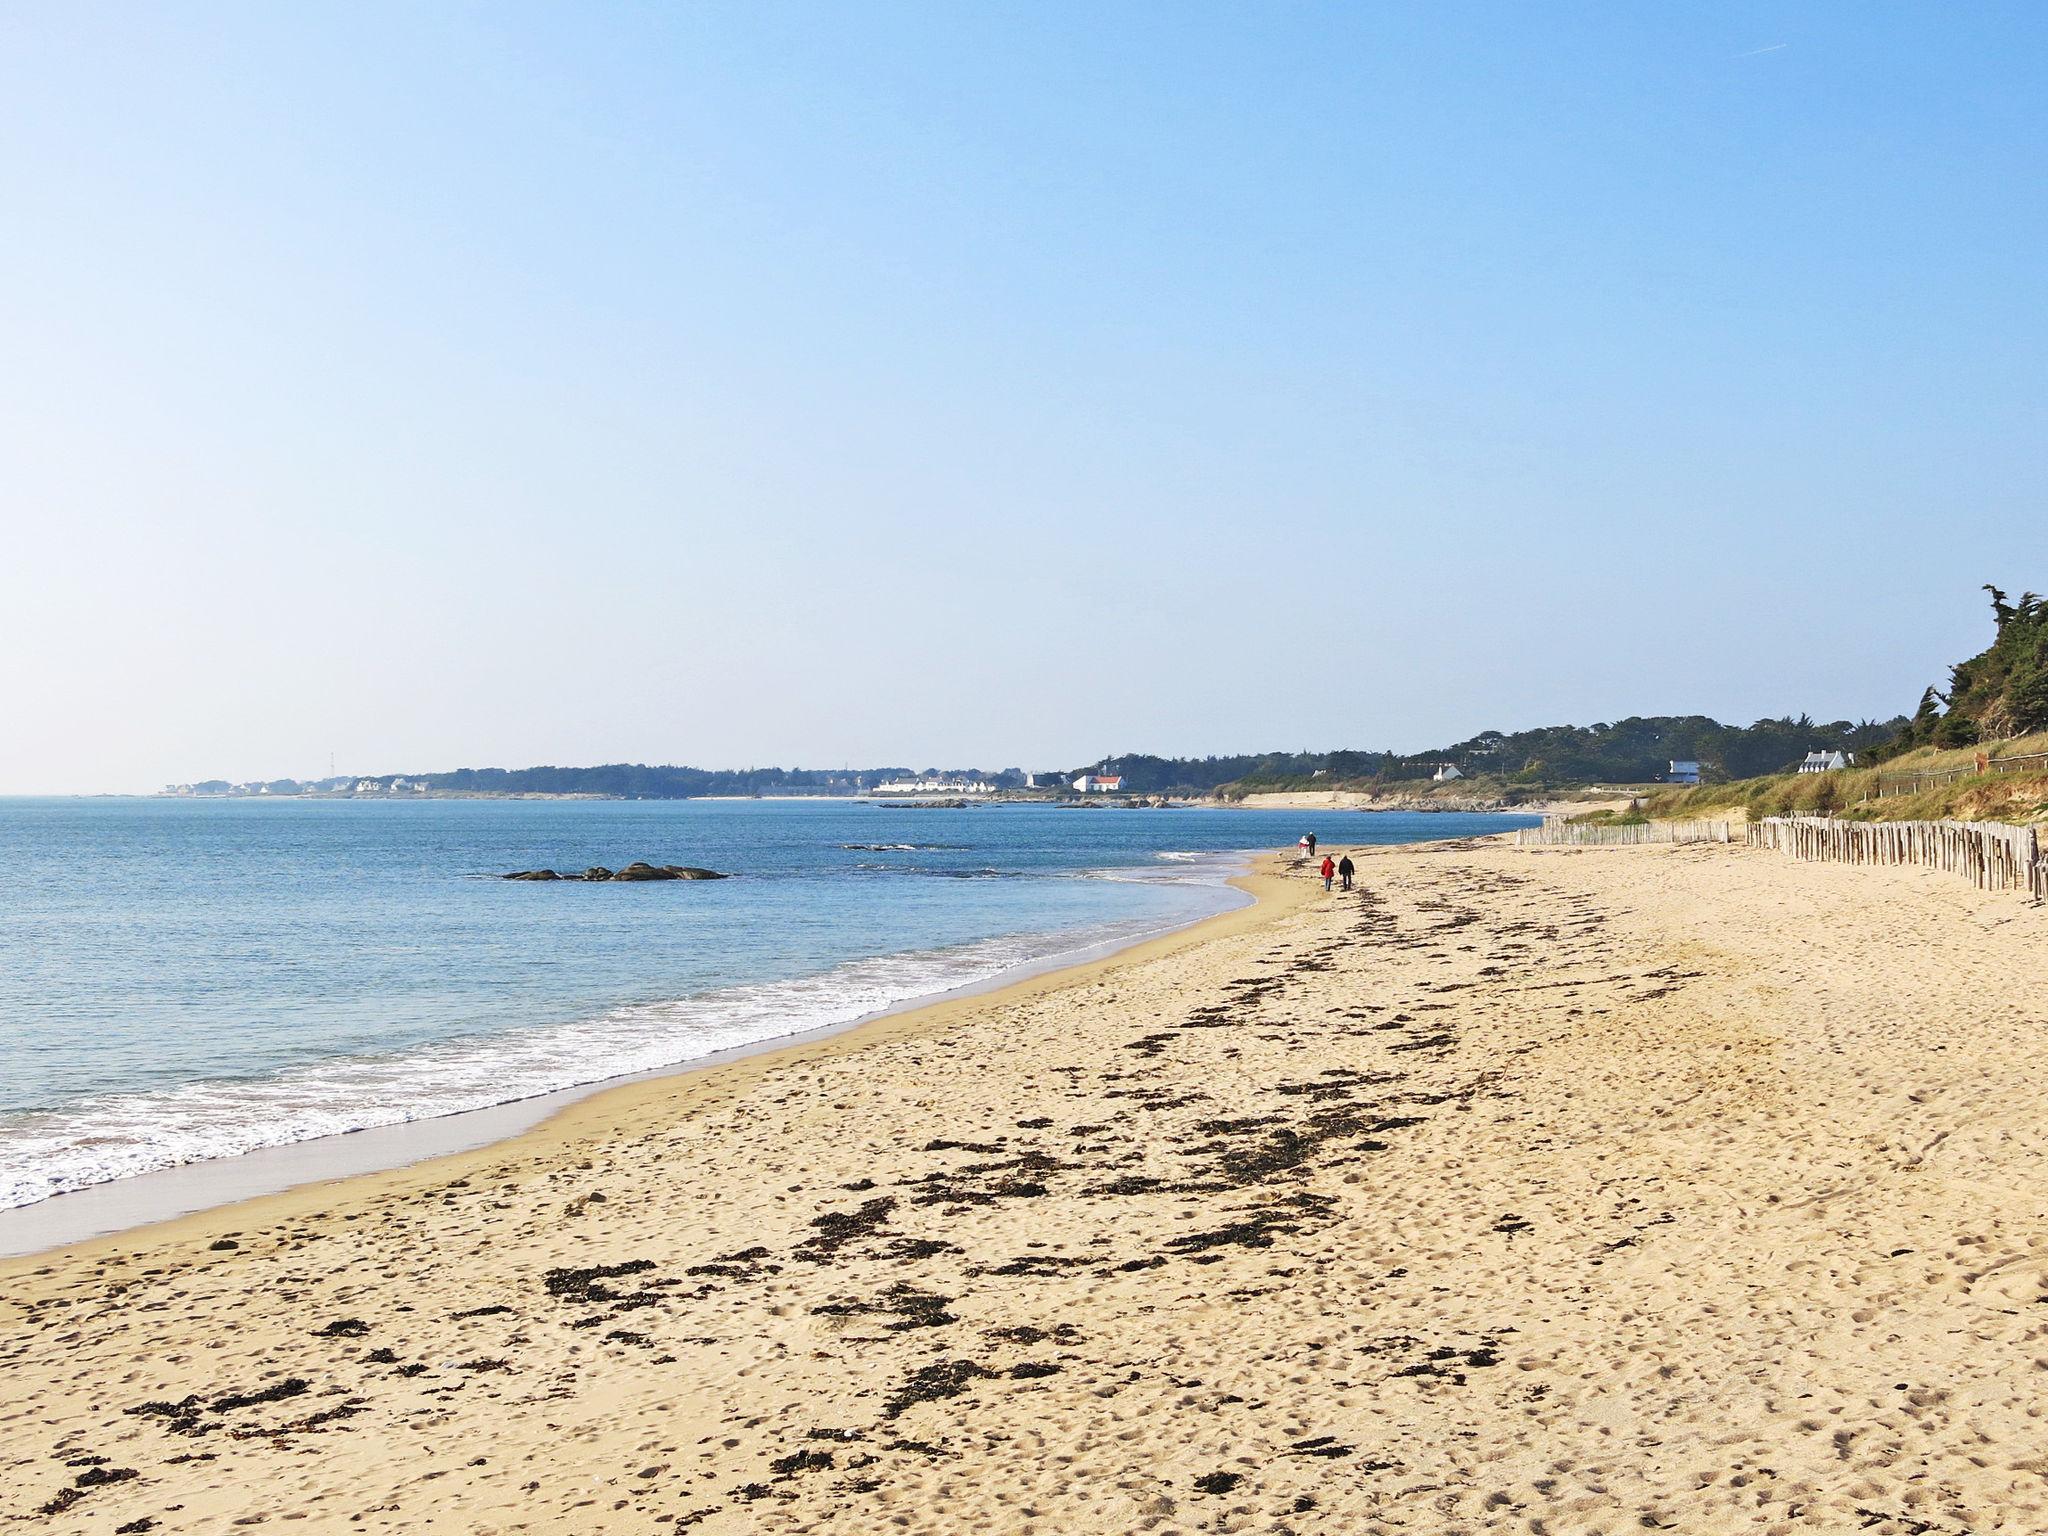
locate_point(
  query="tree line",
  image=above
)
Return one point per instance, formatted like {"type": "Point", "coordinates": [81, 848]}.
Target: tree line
{"type": "Point", "coordinates": [1637, 750]}
{"type": "Point", "coordinates": [2002, 691]}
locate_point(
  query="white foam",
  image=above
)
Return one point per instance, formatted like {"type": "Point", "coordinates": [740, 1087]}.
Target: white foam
{"type": "Point", "coordinates": [116, 1136]}
{"type": "Point", "coordinates": [1180, 869]}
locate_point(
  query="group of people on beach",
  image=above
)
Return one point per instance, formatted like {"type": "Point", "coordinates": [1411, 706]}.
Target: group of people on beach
{"type": "Point", "coordinates": [1331, 871]}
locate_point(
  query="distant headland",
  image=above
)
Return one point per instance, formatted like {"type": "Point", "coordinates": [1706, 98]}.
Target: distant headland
{"type": "Point", "coordinates": [1493, 767]}
{"type": "Point", "coordinates": [2001, 694]}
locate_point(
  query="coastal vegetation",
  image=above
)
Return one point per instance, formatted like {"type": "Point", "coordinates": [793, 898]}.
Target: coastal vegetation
{"type": "Point", "coordinates": [1498, 764]}
{"type": "Point", "coordinates": [1978, 752]}
{"type": "Point", "coordinates": [1995, 697]}
{"type": "Point", "coordinates": [1998, 694]}
{"type": "Point", "coordinates": [1636, 751]}
{"type": "Point", "coordinates": [1921, 784]}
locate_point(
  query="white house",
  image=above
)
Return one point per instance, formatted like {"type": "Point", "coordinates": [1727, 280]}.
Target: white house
{"type": "Point", "coordinates": [933, 787]}
{"type": "Point", "coordinates": [1445, 772]}
{"type": "Point", "coordinates": [1826, 762]}
{"type": "Point", "coordinates": [1099, 783]}
{"type": "Point", "coordinates": [1683, 771]}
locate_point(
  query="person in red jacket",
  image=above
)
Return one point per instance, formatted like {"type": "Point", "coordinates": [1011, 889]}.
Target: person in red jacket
{"type": "Point", "coordinates": [1329, 871]}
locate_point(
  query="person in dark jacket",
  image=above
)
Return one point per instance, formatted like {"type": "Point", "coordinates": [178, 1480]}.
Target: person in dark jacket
{"type": "Point", "coordinates": [1345, 870]}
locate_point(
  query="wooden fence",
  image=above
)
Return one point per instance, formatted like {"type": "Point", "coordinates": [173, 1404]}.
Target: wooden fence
{"type": "Point", "coordinates": [1556, 832]}
{"type": "Point", "coordinates": [1913, 783]}
{"type": "Point", "coordinates": [1992, 856]}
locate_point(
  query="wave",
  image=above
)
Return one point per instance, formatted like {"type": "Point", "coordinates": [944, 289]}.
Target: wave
{"type": "Point", "coordinates": [118, 1135]}
{"type": "Point", "coordinates": [1181, 869]}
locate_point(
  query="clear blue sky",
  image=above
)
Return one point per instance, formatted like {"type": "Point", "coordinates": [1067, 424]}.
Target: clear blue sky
{"type": "Point", "coordinates": [959, 384]}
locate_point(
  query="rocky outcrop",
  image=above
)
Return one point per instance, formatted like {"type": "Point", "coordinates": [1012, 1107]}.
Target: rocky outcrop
{"type": "Point", "coordinates": [634, 871]}
{"type": "Point", "coordinates": [666, 872]}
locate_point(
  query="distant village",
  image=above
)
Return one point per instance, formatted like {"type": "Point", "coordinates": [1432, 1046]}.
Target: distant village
{"type": "Point", "coordinates": [1054, 783]}
{"type": "Point", "coordinates": [968, 785]}
{"type": "Point", "coordinates": [1490, 764]}
{"type": "Point", "coordinates": [344, 788]}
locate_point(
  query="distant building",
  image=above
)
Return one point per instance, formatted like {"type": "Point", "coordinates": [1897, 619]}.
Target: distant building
{"type": "Point", "coordinates": [933, 787]}
{"type": "Point", "coordinates": [1445, 772]}
{"type": "Point", "coordinates": [1099, 783]}
{"type": "Point", "coordinates": [1826, 762]}
{"type": "Point", "coordinates": [1683, 772]}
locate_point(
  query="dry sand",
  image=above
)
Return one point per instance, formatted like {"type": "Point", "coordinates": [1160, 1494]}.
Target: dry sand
{"type": "Point", "coordinates": [1539, 1190]}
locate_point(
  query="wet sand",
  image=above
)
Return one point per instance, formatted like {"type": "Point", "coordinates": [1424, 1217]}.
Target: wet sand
{"type": "Point", "coordinates": [1541, 1190]}
{"type": "Point", "coordinates": [153, 1198]}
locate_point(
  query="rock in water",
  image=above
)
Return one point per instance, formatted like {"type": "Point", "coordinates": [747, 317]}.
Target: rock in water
{"type": "Point", "coordinates": [639, 869]}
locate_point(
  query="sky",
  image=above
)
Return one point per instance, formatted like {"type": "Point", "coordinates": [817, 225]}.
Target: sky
{"type": "Point", "coordinates": [418, 387]}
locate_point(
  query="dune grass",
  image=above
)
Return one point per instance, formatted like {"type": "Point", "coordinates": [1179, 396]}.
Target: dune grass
{"type": "Point", "coordinates": [2016, 796]}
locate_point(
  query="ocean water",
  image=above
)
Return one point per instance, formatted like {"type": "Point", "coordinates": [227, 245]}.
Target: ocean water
{"type": "Point", "coordinates": [192, 979]}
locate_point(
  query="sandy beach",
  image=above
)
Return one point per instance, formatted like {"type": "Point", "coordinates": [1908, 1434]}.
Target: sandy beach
{"type": "Point", "coordinates": [1546, 1190]}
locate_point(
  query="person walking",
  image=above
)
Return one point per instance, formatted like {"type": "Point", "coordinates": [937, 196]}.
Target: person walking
{"type": "Point", "coordinates": [1310, 842]}
{"type": "Point", "coordinates": [1329, 871]}
{"type": "Point", "coordinates": [1345, 870]}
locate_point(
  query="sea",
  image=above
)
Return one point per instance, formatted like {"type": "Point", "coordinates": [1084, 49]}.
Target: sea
{"type": "Point", "coordinates": [191, 979]}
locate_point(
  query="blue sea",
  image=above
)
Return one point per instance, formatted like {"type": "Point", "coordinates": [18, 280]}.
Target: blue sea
{"type": "Point", "coordinates": [191, 979]}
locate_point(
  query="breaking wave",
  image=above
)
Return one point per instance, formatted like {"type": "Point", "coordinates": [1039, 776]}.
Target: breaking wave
{"type": "Point", "coordinates": [118, 1135]}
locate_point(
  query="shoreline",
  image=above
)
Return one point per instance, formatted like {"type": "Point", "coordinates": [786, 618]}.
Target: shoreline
{"type": "Point", "coordinates": [1371, 1211]}
{"type": "Point", "coordinates": [1416, 803]}
{"type": "Point", "coordinates": [1270, 800]}
{"type": "Point", "coordinates": [135, 1208]}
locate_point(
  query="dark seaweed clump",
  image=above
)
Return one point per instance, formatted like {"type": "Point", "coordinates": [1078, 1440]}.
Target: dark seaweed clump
{"type": "Point", "coordinates": [584, 1284]}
